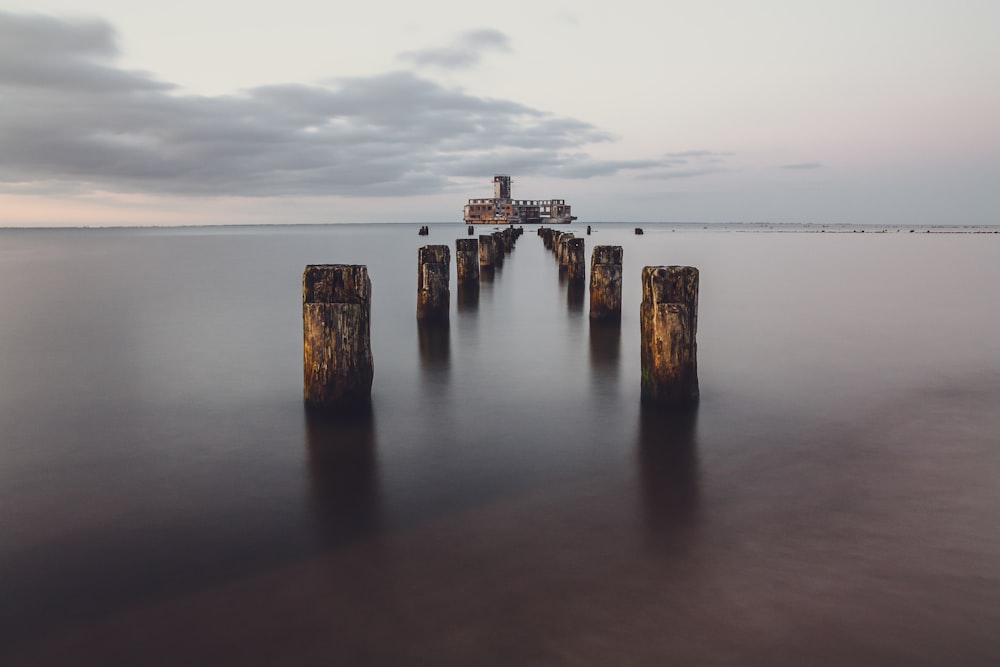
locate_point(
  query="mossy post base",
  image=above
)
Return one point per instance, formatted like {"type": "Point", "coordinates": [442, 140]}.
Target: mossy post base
{"type": "Point", "coordinates": [336, 325]}
{"type": "Point", "coordinates": [433, 278]}
{"type": "Point", "coordinates": [606, 283]}
{"type": "Point", "coordinates": [669, 327]}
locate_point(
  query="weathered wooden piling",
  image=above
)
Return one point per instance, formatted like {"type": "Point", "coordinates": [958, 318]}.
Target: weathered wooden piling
{"type": "Point", "coordinates": [562, 248]}
{"type": "Point", "coordinates": [487, 253]}
{"type": "Point", "coordinates": [588, 230]}
{"type": "Point", "coordinates": [500, 251]}
{"type": "Point", "coordinates": [467, 260]}
{"type": "Point", "coordinates": [669, 327]}
{"type": "Point", "coordinates": [472, 230]}
{"type": "Point", "coordinates": [336, 333]}
{"type": "Point", "coordinates": [551, 237]}
{"type": "Point", "coordinates": [508, 239]}
{"type": "Point", "coordinates": [576, 260]}
{"type": "Point", "coordinates": [433, 277]}
{"type": "Point", "coordinates": [606, 282]}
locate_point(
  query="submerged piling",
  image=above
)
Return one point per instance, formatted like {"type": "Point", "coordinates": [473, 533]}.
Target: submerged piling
{"type": "Point", "coordinates": [606, 282]}
{"type": "Point", "coordinates": [433, 276]}
{"type": "Point", "coordinates": [336, 332]}
{"type": "Point", "coordinates": [669, 327]}
{"type": "Point", "coordinates": [467, 260]}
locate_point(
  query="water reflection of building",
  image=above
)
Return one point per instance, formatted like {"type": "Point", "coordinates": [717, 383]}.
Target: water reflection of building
{"type": "Point", "coordinates": [501, 209]}
{"type": "Point", "coordinates": [343, 474]}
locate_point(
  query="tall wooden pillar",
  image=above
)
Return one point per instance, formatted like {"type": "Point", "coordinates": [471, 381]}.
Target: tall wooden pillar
{"type": "Point", "coordinates": [576, 260]}
{"type": "Point", "coordinates": [467, 260]}
{"type": "Point", "coordinates": [336, 326]}
{"type": "Point", "coordinates": [669, 327]}
{"type": "Point", "coordinates": [606, 282]}
{"type": "Point", "coordinates": [433, 277]}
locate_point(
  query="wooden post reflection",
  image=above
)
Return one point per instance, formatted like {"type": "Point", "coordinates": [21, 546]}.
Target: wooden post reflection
{"type": "Point", "coordinates": [343, 474]}
{"type": "Point", "coordinates": [669, 476]}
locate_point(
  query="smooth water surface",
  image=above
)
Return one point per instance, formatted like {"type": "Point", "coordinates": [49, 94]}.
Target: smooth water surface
{"type": "Point", "coordinates": [164, 497]}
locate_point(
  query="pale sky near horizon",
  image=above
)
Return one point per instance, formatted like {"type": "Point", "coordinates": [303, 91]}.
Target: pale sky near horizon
{"type": "Point", "coordinates": [862, 111]}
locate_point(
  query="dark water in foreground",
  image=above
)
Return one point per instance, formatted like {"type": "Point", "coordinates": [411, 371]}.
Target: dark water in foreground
{"type": "Point", "coordinates": [164, 497]}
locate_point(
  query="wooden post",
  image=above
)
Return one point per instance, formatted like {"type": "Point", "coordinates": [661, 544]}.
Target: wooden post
{"type": "Point", "coordinates": [562, 249]}
{"type": "Point", "coordinates": [551, 238]}
{"type": "Point", "coordinates": [336, 333]}
{"type": "Point", "coordinates": [669, 326]}
{"type": "Point", "coordinates": [498, 255]}
{"type": "Point", "coordinates": [467, 260]}
{"type": "Point", "coordinates": [606, 283]}
{"type": "Point", "coordinates": [471, 230]}
{"type": "Point", "coordinates": [487, 253]}
{"type": "Point", "coordinates": [576, 260]}
{"type": "Point", "coordinates": [433, 276]}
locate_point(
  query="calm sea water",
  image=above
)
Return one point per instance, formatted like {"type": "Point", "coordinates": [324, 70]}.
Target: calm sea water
{"type": "Point", "coordinates": [164, 498]}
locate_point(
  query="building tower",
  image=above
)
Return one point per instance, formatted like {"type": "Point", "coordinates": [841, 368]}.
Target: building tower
{"type": "Point", "coordinates": [501, 187]}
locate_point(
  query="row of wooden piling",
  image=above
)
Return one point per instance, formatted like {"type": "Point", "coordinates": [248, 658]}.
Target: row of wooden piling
{"type": "Point", "coordinates": [474, 258]}
{"type": "Point", "coordinates": [668, 314]}
{"type": "Point", "coordinates": [605, 270]}
{"type": "Point", "coordinates": [336, 314]}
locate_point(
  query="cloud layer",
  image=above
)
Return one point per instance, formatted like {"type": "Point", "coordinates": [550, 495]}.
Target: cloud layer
{"type": "Point", "coordinates": [465, 51]}
{"type": "Point", "coordinates": [72, 120]}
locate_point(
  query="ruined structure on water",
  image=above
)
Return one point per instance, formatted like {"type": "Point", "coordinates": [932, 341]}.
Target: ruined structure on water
{"type": "Point", "coordinates": [502, 210]}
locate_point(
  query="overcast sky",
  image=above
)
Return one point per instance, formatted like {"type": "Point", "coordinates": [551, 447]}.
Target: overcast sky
{"type": "Point", "coordinates": [216, 111]}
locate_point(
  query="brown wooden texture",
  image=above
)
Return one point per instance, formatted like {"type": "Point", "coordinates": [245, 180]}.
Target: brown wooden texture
{"type": "Point", "coordinates": [467, 260]}
{"type": "Point", "coordinates": [606, 282]}
{"type": "Point", "coordinates": [336, 325]}
{"type": "Point", "coordinates": [576, 260]}
{"type": "Point", "coordinates": [669, 327]}
{"type": "Point", "coordinates": [487, 252]}
{"type": "Point", "coordinates": [499, 249]}
{"type": "Point", "coordinates": [433, 278]}
{"type": "Point", "coordinates": [561, 248]}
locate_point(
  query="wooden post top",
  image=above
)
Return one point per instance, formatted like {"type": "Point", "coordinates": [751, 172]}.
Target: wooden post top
{"type": "Point", "coordinates": [670, 284]}
{"type": "Point", "coordinates": [336, 283]}
{"type": "Point", "coordinates": [434, 254]}
{"type": "Point", "coordinates": [607, 254]}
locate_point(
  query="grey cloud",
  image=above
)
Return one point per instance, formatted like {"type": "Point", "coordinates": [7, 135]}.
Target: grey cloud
{"type": "Point", "coordinates": [55, 37]}
{"type": "Point", "coordinates": [391, 134]}
{"type": "Point", "coordinates": [804, 165]}
{"type": "Point", "coordinates": [42, 51]}
{"type": "Point", "coordinates": [466, 50]}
